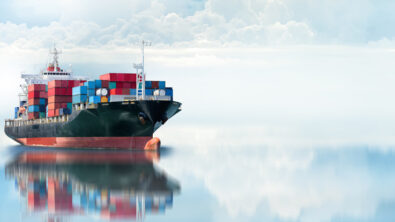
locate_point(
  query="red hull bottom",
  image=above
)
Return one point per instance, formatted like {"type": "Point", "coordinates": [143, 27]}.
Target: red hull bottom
{"type": "Point", "coordinates": [147, 143]}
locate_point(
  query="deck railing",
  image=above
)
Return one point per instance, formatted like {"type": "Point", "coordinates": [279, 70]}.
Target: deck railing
{"type": "Point", "coordinates": [65, 118]}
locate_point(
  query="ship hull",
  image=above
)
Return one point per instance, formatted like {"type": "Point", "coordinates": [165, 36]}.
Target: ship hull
{"type": "Point", "coordinates": [123, 125]}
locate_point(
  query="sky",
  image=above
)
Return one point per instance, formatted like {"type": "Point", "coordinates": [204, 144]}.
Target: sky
{"type": "Point", "coordinates": [71, 23]}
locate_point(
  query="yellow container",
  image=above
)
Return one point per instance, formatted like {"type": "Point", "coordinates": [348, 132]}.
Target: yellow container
{"type": "Point", "coordinates": [104, 99]}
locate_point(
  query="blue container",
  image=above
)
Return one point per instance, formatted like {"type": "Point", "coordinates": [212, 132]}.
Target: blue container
{"type": "Point", "coordinates": [65, 111]}
{"type": "Point", "coordinates": [148, 84]}
{"type": "Point", "coordinates": [97, 83]}
{"type": "Point", "coordinates": [94, 99]}
{"type": "Point", "coordinates": [43, 101]}
{"type": "Point", "coordinates": [79, 99]}
{"type": "Point", "coordinates": [91, 92]}
{"type": "Point", "coordinates": [162, 84]}
{"type": "Point", "coordinates": [132, 91]}
{"type": "Point", "coordinates": [149, 92]}
{"type": "Point", "coordinates": [16, 112]}
{"type": "Point", "coordinates": [70, 106]}
{"type": "Point", "coordinates": [169, 92]}
{"type": "Point", "coordinates": [34, 108]}
{"type": "Point", "coordinates": [42, 108]}
{"type": "Point", "coordinates": [90, 84]}
{"type": "Point", "coordinates": [80, 90]}
{"type": "Point", "coordinates": [112, 85]}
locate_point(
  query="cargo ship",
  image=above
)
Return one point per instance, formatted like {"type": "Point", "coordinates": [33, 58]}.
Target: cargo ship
{"type": "Point", "coordinates": [110, 185]}
{"type": "Point", "coordinates": [117, 110]}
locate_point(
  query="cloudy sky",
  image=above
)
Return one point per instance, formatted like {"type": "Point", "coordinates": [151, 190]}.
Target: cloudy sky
{"type": "Point", "coordinates": [36, 23]}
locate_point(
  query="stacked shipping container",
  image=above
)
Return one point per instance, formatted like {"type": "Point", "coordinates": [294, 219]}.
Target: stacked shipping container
{"type": "Point", "coordinates": [60, 96]}
{"type": "Point", "coordinates": [79, 94]}
{"type": "Point", "coordinates": [37, 101]}
{"type": "Point", "coordinates": [57, 98]}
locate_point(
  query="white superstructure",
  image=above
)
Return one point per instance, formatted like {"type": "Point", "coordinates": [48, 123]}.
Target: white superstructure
{"type": "Point", "coordinates": [52, 72]}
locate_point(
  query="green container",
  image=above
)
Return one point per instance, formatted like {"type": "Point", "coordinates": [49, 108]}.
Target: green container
{"type": "Point", "coordinates": [70, 106]}
{"type": "Point", "coordinates": [112, 85]}
{"type": "Point", "coordinates": [46, 88]}
{"type": "Point", "coordinates": [42, 115]}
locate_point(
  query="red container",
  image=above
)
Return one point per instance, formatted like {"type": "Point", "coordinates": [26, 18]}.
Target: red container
{"type": "Point", "coordinates": [131, 77]}
{"type": "Point", "coordinates": [57, 91]}
{"type": "Point", "coordinates": [120, 85]}
{"type": "Point", "coordinates": [51, 112]}
{"type": "Point", "coordinates": [119, 91]}
{"type": "Point", "coordinates": [33, 101]}
{"type": "Point", "coordinates": [33, 94]}
{"type": "Point", "coordinates": [60, 99]}
{"type": "Point", "coordinates": [56, 105]}
{"type": "Point", "coordinates": [126, 85]}
{"type": "Point", "coordinates": [64, 83]}
{"type": "Point", "coordinates": [109, 77]}
{"type": "Point", "coordinates": [56, 112]}
{"type": "Point", "coordinates": [36, 87]}
{"type": "Point", "coordinates": [54, 83]}
{"type": "Point", "coordinates": [128, 78]}
{"type": "Point", "coordinates": [72, 83]}
{"type": "Point", "coordinates": [119, 77]}
{"type": "Point", "coordinates": [104, 83]}
{"type": "Point", "coordinates": [34, 115]}
{"type": "Point", "coordinates": [155, 84]}
{"type": "Point", "coordinates": [43, 94]}
{"type": "Point", "coordinates": [69, 91]}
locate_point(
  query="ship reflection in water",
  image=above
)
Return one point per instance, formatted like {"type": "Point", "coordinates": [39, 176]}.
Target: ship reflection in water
{"type": "Point", "coordinates": [111, 185]}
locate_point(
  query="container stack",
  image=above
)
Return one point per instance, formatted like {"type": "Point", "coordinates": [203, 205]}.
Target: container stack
{"type": "Point", "coordinates": [60, 96]}
{"type": "Point", "coordinates": [155, 84]}
{"type": "Point", "coordinates": [92, 92]}
{"type": "Point", "coordinates": [158, 88]}
{"type": "Point", "coordinates": [80, 94]}
{"type": "Point", "coordinates": [37, 101]}
{"type": "Point", "coordinates": [119, 85]}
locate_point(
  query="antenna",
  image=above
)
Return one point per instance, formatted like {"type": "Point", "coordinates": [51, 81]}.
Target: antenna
{"type": "Point", "coordinates": [141, 76]}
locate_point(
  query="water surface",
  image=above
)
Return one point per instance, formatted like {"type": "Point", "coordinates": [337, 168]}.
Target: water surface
{"type": "Point", "coordinates": [202, 174]}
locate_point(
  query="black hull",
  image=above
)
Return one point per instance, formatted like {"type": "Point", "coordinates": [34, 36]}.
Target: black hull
{"type": "Point", "coordinates": [116, 119]}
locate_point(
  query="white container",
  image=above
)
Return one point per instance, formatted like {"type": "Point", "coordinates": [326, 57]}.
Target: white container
{"type": "Point", "coordinates": [121, 98]}
{"type": "Point", "coordinates": [159, 92]}
{"type": "Point", "coordinates": [101, 92]}
{"type": "Point", "coordinates": [104, 92]}
{"type": "Point", "coordinates": [163, 98]}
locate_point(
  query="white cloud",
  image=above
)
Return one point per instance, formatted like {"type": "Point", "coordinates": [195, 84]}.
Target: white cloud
{"type": "Point", "coordinates": [210, 22]}
{"type": "Point", "coordinates": [83, 24]}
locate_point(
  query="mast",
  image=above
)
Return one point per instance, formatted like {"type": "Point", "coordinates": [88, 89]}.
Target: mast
{"type": "Point", "coordinates": [140, 76]}
{"type": "Point", "coordinates": [55, 61]}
